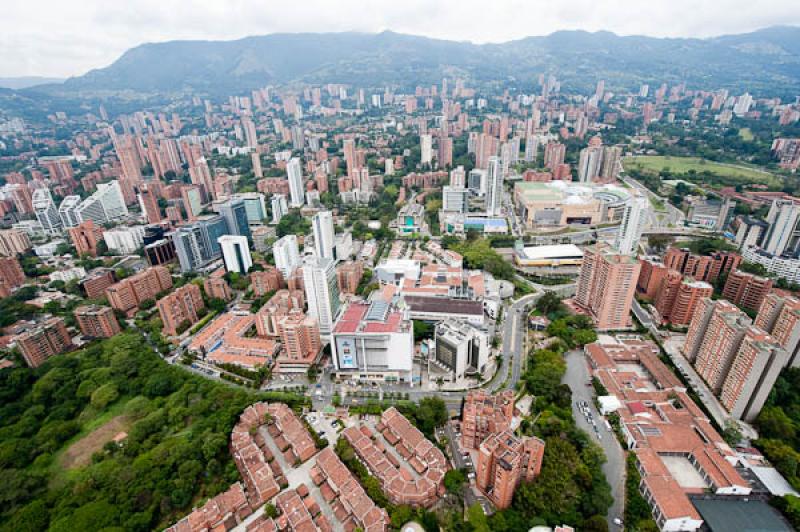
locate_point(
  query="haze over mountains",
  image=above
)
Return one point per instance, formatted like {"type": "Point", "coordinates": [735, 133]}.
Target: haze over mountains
{"type": "Point", "coordinates": [765, 62]}
{"type": "Point", "coordinates": [23, 82]}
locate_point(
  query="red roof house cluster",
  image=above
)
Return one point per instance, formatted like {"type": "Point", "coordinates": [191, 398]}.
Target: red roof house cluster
{"type": "Point", "coordinates": [398, 442]}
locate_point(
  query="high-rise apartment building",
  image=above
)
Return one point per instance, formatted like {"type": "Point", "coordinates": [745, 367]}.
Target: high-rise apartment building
{"type": "Point", "coordinates": [348, 276]}
{"type": "Point", "coordinates": [630, 230]}
{"type": "Point", "coordinates": [95, 284]}
{"type": "Point", "coordinates": [192, 198]}
{"type": "Point", "coordinates": [531, 147]}
{"type": "Point", "coordinates": [287, 255]}
{"type": "Point", "coordinates": [97, 321]}
{"type": "Point", "coordinates": [504, 460]}
{"type": "Point", "coordinates": [606, 286]}
{"type": "Point", "coordinates": [349, 149]}
{"type": "Point", "coordinates": [46, 212]}
{"type": "Point", "coordinates": [11, 275]}
{"type": "Point", "coordinates": [706, 268]}
{"type": "Point", "coordinates": [721, 339]}
{"type": "Point", "coordinates": [148, 202]}
{"type": "Point", "coordinates": [129, 293]}
{"type": "Point", "coordinates": [280, 207]}
{"type": "Point", "coordinates": [300, 341]}
{"type": "Point", "coordinates": [85, 237]}
{"type": "Point", "coordinates": [13, 242]}
{"type": "Point", "coordinates": [46, 339]}
{"type": "Point", "coordinates": [746, 290]}
{"type": "Point", "coordinates": [484, 414]}
{"type": "Point", "coordinates": [256, 160]}
{"type": "Point", "coordinates": [250, 135]}
{"type": "Point", "coordinates": [295, 175]}
{"type": "Point", "coordinates": [677, 298]}
{"type": "Point", "coordinates": [445, 155]}
{"type": "Point", "coordinates": [753, 373]}
{"type": "Point", "coordinates": [104, 205]}
{"type": "Point", "coordinates": [68, 211]}
{"type": "Point", "coordinates": [458, 177]}
{"type": "Point", "coordinates": [275, 309]}
{"type": "Point", "coordinates": [216, 287]}
{"type": "Point", "coordinates": [236, 253]}
{"type": "Point", "coordinates": [554, 153]}
{"type": "Point", "coordinates": [590, 164]}
{"type": "Point", "coordinates": [322, 292]}
{"type": "Point", "coordinates": [783, 235]}
{"type": "Point", "coordinates": [322, 225]}
{"type": "Point", "coordinates": [651, 275]}
{"type": "Point", "coordinates": [426, 149]}
{"type": "Point", "coordinates": [494, 190]}
{"type": "Point", "coordinates": [612, 156]}
{"type": "Point", "coordinates": [266, 281]}
{"type": "Point", "coordinates": [180, 308]}
{"type": "Point", "coordinates": [780, 317]}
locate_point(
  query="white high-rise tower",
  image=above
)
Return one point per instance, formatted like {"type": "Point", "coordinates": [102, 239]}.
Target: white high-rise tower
{"type": "Point", "coordinates": [322, 292]}
{"type": "Point", "coordinates": [494, 188]}
{"type": "Point", "coordinates": [287, 255]}
{"type": "Point", "coordinates": [322, 223]}
{"type": "Point", "coordinates": [630, 230]}
{"type": "Point", "coordinates": [295, 174]}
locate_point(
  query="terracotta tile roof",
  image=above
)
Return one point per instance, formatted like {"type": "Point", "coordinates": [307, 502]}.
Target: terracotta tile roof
{"type": "Point", "coordinates": [659, 419]}
{"type": "Point", "coordinates": [399, 483]}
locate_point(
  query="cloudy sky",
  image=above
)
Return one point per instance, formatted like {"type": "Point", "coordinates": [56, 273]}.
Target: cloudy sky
{"type": "Point", "coordinates": [68, 37]}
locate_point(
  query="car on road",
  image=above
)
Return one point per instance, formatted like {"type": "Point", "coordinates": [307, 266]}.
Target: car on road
{"type": "Point", "coordinates": [617, 521]}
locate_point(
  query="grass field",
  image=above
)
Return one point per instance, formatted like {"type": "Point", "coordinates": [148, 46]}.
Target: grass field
{"type": "Point", "coordinates": [746, 134]}
{"type": "Point", "coordinates": [732, 174]}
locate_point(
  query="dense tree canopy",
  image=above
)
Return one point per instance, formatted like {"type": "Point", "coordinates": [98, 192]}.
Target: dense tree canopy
{"type": "Point", "coordinates": [175, 453]}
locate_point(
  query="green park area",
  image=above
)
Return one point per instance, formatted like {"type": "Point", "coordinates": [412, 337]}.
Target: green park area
{"type": "Point", "coordinates": [700, 170]}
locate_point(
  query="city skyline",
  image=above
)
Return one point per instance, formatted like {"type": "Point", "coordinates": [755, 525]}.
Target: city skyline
{"type": "Point", "coordinates": [98, 33]}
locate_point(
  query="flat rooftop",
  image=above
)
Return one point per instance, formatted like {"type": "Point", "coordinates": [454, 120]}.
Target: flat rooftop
{"type": "Point", "coordinates": [444, 305]}
{"type": "Point", "coordinates": [740, 515]}
{"type": "Point", "coordinates": [558, 251]}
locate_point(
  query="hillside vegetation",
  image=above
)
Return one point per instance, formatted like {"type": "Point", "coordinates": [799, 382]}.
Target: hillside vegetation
{"type": "Point", "coordinates": [63, 472]}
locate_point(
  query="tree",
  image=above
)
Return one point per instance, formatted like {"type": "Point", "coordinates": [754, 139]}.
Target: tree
{"type": "Point", "coordinates": [65, 248]}
{"type": "Point", "coordinates": [596, 523]}
{"type": "Point", "coordinates": [477, 518]}
{"type": "Point", "coordinates": [422, 330]}
{"type": "Point", "coordinates": [659, 243]}
{"type": "Point", "coordinates": [751, 267]}
{"type": "Point", "coordinates": [549, 303]}
{"type": "Point", "coordinates": [216, 304]}
{"type": "Point", "coordinates": [732, 434]}
{"type": "Point", "coordinates": [773, 422]}
{"type": "Point", "coordinates": [454, 481]}
{"type": "Point", "coordinates": [104, 396]}
{"type": "Point", "coordinates": [431, 413]}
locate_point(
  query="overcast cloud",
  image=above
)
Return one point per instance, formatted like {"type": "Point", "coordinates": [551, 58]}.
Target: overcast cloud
{"type": "Point", "coordinates": [68, 37]}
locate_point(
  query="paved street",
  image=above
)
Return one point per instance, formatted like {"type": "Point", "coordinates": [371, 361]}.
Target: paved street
{"type": "Point", "coordinates": [577, 376]}
{"type": "Point", "coordinates": [641, 314]}
{"type": "Point", "coordinates": [673, 217]}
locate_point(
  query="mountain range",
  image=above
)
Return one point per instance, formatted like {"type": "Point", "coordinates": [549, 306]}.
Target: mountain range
{"type": "Point", "coordinates": [765, 62]}
{"type": "Point", "coordinates": [24, 82]}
